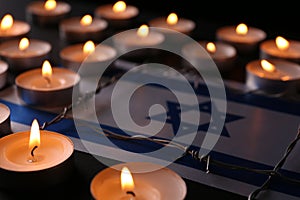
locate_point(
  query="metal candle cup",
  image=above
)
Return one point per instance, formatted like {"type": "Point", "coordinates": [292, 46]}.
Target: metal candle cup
{"type": "Point", "coordinates": [246, 44]}
{"type": "Point", "coordinates": [72, 31]}
{"type": "Point", "coordinates": [53, 165]}
{"type": "Point", "coordinates": [33, 88]}
{"type": "Point", "coordinates": [284, 79]}
{"type": "Point", "coordinates": [5, 127]}
{"type": "Point", "coordinates": [3, 73]}
{"type": "Point", "coordinates": [224, 55]}
{"type": "Point", "coordinates": [23, 60]}
{"type": "Point", "coordinates": [269, 50]}
{"type": "Point", "coordinates": [117, 20]}
{"type": "Point", "coordinates": [37, 14]}
{"type": "Point", "coordinates": [151, 182]}
{"type": "Point", "coordinates": [73, 57]}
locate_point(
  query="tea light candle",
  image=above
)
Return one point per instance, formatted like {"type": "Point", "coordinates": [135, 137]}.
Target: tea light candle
{"type": "Point", "coordinates": [5, 127]}
{"type": "Point", "coordinates": [48, 12]}
{"type": "Point", "coordinates": [3, 74]}
{"type": "Point", "coordinates": [81, 29]}
{"type": "Point", "coordinates": [12, 29]}
{"type": "Point", "coordinates": [245, 39]}
{"type": "Point", "coordinates": [118, 15]}
{"type": "Point", "coordinates": [144, 39]}
{"type": "Point", "coordinates": [281, 48]}
{"type": "Point", "coordinates": [174, 23]}
{"type": "Point", "coordinates": [93, 57]}
{"type": "Point", "coordinates": [273, 76]}
{"type": "Point", "coordinates": [47, 86]}
{"type": "Point", "coordinates": [223, 54]}
{"type": "Point", "coordinates": [35, 158]}
{"type": "Point", "coordinates": [24, 54]}
{"type": "Point", "coordinates": [138, 181]}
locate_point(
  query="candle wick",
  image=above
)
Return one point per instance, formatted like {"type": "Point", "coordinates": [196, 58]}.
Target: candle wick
{"type": "Point", "coordinates": [32, 155]}
{"type": "Point", "coordinates": [131, 193]}
{"type": "Point", "coordinates": [48, 80]}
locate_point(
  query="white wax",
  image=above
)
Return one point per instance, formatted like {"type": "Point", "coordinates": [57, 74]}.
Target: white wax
{"type": "Point", "coordinates": [55, 148]}
{"type": "Point", "coordinates": [151, 182]}
{"type": "Point", "coordinates": [4, 113]}
{"type": "Point", "coordinates": [131, 39]}
{"type": "Point", "coordinates": [61, 79]}
{"type": "Point", "coordinates": [293, 52]}
{"type": "Point", "coordinates": [18, 28]}
{"type": "Point", "coordinates": [3, 73]}
{"type": "Point", "coordinates": [285, 70]}
{"type": "Point", "coordinates": [223, 51]}
{"type": "Point", "coordinates": [36, 48]}
{"type": "Point", "coordinates": [253, 36]}
{"type": "Point", "coordinates": [183, 25]}
{"type": "Point", "coordinates": [73, 24]}
{"type": "Point", "coordinates": [37, 7]}
{"type": "Point", "coordinates": [106, 12]}
{"type": "Point", "coordinates": [75, 53]}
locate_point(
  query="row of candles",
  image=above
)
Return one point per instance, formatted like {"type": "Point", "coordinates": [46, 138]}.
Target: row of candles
{"type": "Point", "coordinates": [36, 151]}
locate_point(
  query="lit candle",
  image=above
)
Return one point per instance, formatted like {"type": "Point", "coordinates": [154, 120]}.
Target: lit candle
{"type": "Point", "coordinates": [49, 12]}
{"type": "Point", "coordinates": [274, 76]}
{"type": "Point", "coordinates": [24, 54]}
{"type": "Point", "coordinates": [245, 39]}
{"type": "Point", "coordinates": [118, 182]}
{"type": "Point", "coordinates": [144, 39]}
{"type": "Point", "coordinates": [3, 74]}
{"type": "Point", "coordinates": [281, 48]}
{"type": "Point", "coordinates": [81, 29]}
{"type": "Point", "coordinates": [47, 86]}
{"type": "Point", "coordinates": [119, 15]}
{"type": "Point", "coordinates": [35, 157]}
{"type": "Point", "coordinates": [223, 54]}
{"type": "Point", "coordinates": [5, 127]}
{"type": "Point", "coordinates": [93, 56]}
{"type": "Point", "coordinates": [12, 29]}
{"type": "Point", "coordinates": [173, 22]}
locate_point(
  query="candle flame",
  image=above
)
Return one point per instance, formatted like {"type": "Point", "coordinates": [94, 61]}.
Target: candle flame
{"type": "Point", "coordinates": [241, 29]}
{"type": "Point", "coordinates": [23, 44]}
{"type": "Point", "coordinates": [88, 47]}
{"type": "Point", "coordinates": [50, 5]}
{"type": "Point", "coordinates": [211, 47]}
{"type": "Point", "coordinates": [143, 31]}
{"type": "Point", "coordinates": [46, 70]}
{"type": "Point", "coordinates": [267, 66]}
{"type": "Point", "coordinates": [6, 22]}
{"type": "Point", "coordinates": [120, 6]}
{"type": "Point", "coordinates": [127, 183]}
{"type": "Point", "coordinates": [86, 20]}
{"type": "Point", "coordinates": [34, 138]}
{"type": "Point", "coordinates": [282, 43]}
{"type": "Point", "coordinates": [172, 19]}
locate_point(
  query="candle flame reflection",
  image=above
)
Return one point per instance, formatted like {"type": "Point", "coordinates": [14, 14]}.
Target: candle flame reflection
{"type": "Point", "coordinates": [86, 20]}
{"type": "Point", "coordinates": [23, 44]}
{"type": "Point", "coordinates": [120, 6]}
{"type": "Point", "coordinates": [50, 5]}
{"type": "Point", "coordinates": [282, 43]}
{"type": "Point", "coordinates": [127, 183]}
{"type": "Point", "coordinates": [88, 47]}
{"type": "Point", "coordinates": [267, 66]}
{"type": "Point", "coordinates": [211, 47]}
{"type": "Point", "coordinates": [6, 22]}
{"type": "Point", "coordinates": [34, 139]}
{"type": "Point", "coordinates": [241, 29]}
{"type": "Point", "coordinates": [172, 19]}
{"type": "Point", "coordinates": [143, 31]}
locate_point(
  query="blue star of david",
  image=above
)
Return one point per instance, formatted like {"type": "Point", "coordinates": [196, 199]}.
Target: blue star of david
{"type": "Point", "coordinates": [173, 118]}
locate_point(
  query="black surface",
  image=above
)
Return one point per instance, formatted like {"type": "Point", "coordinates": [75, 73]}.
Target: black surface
{"type": "Point", "coordinates": [86, 165]}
